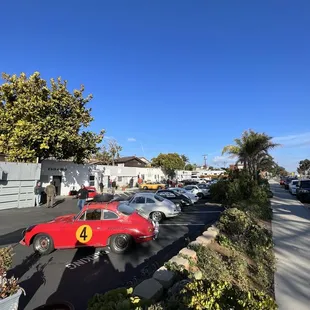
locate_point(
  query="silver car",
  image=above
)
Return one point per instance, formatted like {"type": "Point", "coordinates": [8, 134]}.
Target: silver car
{"type": "Point", "coordinates": [194, 198]}
{"type": "Point", "coordinates": [153, 206]}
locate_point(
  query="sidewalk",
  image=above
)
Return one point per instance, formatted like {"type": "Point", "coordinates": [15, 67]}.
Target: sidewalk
{"type": "Point", "coordinates": [291, 235]}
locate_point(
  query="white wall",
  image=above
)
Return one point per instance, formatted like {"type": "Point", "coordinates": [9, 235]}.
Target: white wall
{"type": "Point", "coordinates": [74, 175]}
{"type": "Point", "coordinates": [17, 182]}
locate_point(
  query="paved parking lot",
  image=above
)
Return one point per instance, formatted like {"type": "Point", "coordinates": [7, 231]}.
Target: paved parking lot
{"type": "Point", "coordinates": [76, 275]}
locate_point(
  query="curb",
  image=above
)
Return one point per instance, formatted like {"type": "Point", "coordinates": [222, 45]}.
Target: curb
{"type": "Point", "coordinates": [163, 279]}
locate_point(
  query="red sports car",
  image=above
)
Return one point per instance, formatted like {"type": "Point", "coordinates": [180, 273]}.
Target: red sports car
{"type": "Point", "coordinates": [92, 192]}
{"type": "Point", "coordinates": [112, 225]}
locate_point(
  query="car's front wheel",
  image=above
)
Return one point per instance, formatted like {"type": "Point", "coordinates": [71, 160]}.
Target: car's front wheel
{"type": "Point", "coordinates": [43, 244]}
{"type": "Point", "coordinates": [157, 216]}
{"type": "Point", "coordinates": [145, 187]}
{"type": "Point", "coordinates": [121, 243]}
{"type": "Point", "coordinates": [200, 195]}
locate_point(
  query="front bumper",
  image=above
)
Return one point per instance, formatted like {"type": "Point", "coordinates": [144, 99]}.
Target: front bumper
{"type": "Point", "coordinates": [22, 242]}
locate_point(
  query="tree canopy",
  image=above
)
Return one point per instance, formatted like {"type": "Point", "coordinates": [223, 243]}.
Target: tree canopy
{"type": "Point", "coordinates": [169, 163]}
{"type": "Point", "coordinates": [109, 152]}
{"type": "Point", "coordinates": [304, 167]}
{"type": "Point", "coordinates": [38, 120]}
{"type": "Point", "coordinates": [252, 150]}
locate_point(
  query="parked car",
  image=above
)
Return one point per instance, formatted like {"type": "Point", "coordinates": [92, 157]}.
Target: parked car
{"type": "Point", "coordinates": [287, 181]}
{"type": "Point", "coordinates": [98, 224]}
{"type": "Point", "coordinates": [152, 185]}
{"type": "Point", "coordinates": [178, 199]}
{"type": "Point", "coordinates": [303, 190]}
{"type": "Point", "coordinates": [194, 198]}
{"type": "Point", "coordinates": [195, 190]}
{"type": "Point", "coordinates": [292, 187]}
{"type": "Point", "coordinates": [92, 192]}
{"type": "Point", "coordinates": [153, 206]}
{"type": "Point", "coordinates": [205, 188]}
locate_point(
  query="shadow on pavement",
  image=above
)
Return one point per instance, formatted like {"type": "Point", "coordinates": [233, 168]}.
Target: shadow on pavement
{"type": "Point", "coordinates": [91, 271]}
{"type": "Point", "coordinates": [12, 237]}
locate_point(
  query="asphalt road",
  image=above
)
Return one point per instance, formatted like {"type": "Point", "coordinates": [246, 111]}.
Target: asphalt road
{"type": "Point", "coordinates": [76, 275]}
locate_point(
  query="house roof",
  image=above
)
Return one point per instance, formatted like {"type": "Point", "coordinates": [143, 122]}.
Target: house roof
{"type": "Point", "coordinates": [128, 158]}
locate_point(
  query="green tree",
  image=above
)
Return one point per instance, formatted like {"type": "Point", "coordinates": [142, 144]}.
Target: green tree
{"type": "Point", "coordinates": [169, 163]}
{"type": "Point", "coordinates": [304, 167]}
{"type": "Point", "coordinates": [252, 151]}
{"type": "Point", "coordinates": [38, 121]}
{"type": "Point", "coordinates": [114, 150]}
{"type": "Point", "coordinates": [109, 152]}
{"type": "Point", "coordinates": [189, 167]}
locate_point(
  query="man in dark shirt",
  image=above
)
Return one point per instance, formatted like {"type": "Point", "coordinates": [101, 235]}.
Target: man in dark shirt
{"type": "Point", "coordinates": [82, 196]}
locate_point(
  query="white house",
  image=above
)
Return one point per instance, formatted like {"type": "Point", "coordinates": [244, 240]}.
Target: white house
{"type": "Point", "coordinates": [68, 176]}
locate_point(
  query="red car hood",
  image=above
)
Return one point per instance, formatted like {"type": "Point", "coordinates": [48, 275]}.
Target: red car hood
{"type": "Point", "coordinates": [64, 218]}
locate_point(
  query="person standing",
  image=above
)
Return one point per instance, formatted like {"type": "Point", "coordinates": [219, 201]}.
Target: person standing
{"type": "Point", "coordinates": [113, 187]}
{"type": "Point", "coordinates": [82, 196]}
{"type": "Point", "coordinates": [50, 191]}
{"type": "Point", "coordinates": [101, 187]}
{"type": "Point", "coordinates": [131, 182]}
{"type": "Point", "coordinates": [37, 194]}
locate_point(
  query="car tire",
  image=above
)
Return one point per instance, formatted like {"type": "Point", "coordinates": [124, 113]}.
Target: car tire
{"type": "Point", "coordinates": [145, 187]}
{"type": "Point", "coordinates": [200, 195]}
{"type": "Point", "coordinates": [159, 187]}
{"type": "Point", "coordinates": [120, 243]}
{"type": "Point", "coordinates": [43, 244]}
{"type": "Point", "coordinates": [157, 216]}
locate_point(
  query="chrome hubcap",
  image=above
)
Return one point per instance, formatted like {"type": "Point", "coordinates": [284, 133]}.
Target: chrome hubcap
{"type": "Point", "coordinates": [42, 244]}
{"type": "Point", "coordinates": [156, 216]}
{"type": "Point", "coordinates": [121, 242]}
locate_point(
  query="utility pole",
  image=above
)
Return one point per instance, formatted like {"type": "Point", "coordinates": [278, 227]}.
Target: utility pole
{"type": "Point", "coordinates": [205, 160]}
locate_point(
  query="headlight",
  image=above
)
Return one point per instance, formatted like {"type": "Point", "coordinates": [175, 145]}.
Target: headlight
{"type": "Point", "coordinates": [304, 191]}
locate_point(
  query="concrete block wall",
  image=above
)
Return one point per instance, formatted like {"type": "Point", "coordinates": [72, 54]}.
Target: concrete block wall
{"type": "Point", "coordinates": [163, 279]}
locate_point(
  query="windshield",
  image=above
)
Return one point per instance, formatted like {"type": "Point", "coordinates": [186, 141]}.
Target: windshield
{"type": "Point", "coordinates": [125, 209]}
{"type": "Point", "coordinates": [305, 184]}
{"type": "Point", "coordinates": [159, 198]}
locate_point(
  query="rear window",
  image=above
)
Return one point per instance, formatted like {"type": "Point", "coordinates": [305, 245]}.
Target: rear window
{"type": "Point", "coordinates": [159, 198]}
{"type": "Point", "coordinates": [305, 184]}
{"type": "Point", "coordinates": [125, 209]}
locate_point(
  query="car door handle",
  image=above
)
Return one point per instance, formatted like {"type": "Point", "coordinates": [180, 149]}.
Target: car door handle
{"type": "Point", "coordinates": [98, 227]}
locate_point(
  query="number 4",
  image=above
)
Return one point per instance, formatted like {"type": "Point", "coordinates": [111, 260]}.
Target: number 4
{"type": "Point", "coordinates": [84, 233]}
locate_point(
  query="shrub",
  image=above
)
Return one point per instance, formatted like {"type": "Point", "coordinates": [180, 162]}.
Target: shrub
{"type": "Point", "coordinates": [118, 299]}
{"type": "Point", "coordinates": [218, 191]}
{"type": "Point", "coordinates": [219, 295]}
{"type": "Point", "coordinates": [9, 286]}
{"type": "Point", "coordinates": [245, 233]}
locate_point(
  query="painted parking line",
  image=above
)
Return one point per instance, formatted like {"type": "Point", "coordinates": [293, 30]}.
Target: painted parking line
{"type": "Point", "coordinates": [200, 212]}
{"type": "Point", "coordinates": [183, 224]}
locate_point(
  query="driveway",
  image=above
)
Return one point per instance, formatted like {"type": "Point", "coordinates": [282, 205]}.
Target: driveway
{"type": "Point", "coordinates": [76, 275]}
{"type": "Point", "coordinates": [291, 234]}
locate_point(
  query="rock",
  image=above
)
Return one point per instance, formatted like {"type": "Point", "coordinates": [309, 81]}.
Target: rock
{"type": "Point", "coordinates": [149, 289]}
{"type": "Point", "coordinates": [189, 253]}
{"type": "Point", "coordinates": [211, 234]}
{"type": "Point", "coordinates": [193, 244]}
{"type": "Point", "coordinates": [203, 240]}
{"type": "Point", "coordinates": [177, 287]}
{"type": "Point", "coordinates": [214, 228]}
{"type": "Point", "coordinates": [198, 275]}
{"type": "Point", "coordinates": [164, 277]}
{"type": "Point", "coordinates": [180, 261]}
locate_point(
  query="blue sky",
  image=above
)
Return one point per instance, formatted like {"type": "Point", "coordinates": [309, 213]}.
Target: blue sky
{"type": "Point", "coordinates": [174, 76]}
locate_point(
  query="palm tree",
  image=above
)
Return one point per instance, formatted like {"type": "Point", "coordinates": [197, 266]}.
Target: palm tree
{"type": "Point", "coordinates": [251, 150]}
{"type": "Point", "coordinates": [185, 159]}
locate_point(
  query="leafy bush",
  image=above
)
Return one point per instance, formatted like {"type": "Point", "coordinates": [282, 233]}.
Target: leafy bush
{"type": "Point", "coordinates": [245, 194]}
{"type": "Point", "coordinates": [245, 233]}
{"type": "Point", "coordinates": [9, 286]}
{"type": "Point", "coordinates": [219, 295]}
{"type": "Point", "coordinates": [118, 299]}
